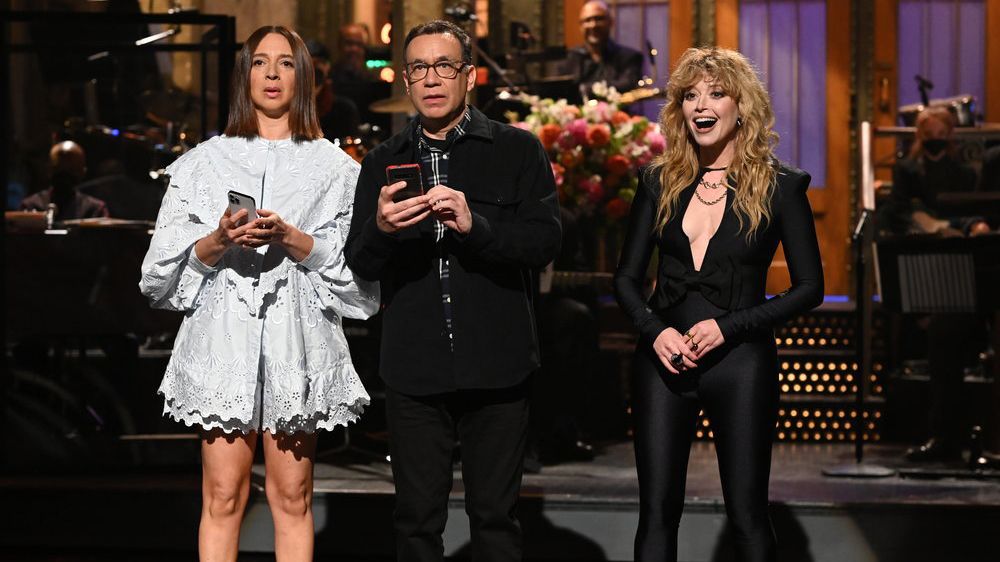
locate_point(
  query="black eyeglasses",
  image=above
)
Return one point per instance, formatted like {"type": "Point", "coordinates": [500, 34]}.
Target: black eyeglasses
{"type": "Point", "coordinates": [446, 69]}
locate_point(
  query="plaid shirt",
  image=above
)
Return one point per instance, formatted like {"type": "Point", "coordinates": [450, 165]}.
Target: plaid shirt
{"type": "Point", "coordinates": [434, 166]}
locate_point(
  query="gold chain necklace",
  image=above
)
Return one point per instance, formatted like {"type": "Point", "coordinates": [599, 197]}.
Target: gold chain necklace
{"type": "Point", "coordinates": [710, 185]}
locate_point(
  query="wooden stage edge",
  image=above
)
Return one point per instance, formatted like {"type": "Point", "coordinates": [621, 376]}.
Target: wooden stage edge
{"type": "Point", "coordinates": [573, 511]}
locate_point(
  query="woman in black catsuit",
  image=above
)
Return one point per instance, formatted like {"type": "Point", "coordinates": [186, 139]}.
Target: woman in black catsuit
{"type": "Point", "coordinates": [714, 207]}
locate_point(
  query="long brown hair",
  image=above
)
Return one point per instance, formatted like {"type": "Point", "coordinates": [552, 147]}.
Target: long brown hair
{"type": "Point", "coordinates": [752, 170]}
{"type": "Point", "coordinates": [302, 116]}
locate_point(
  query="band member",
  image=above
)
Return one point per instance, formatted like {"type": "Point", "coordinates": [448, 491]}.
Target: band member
{"type": "Point", "coordinates": [459, 338]}
{"type": "Point", "coordinates": [69, 167]}
{"type": "Point", "coordinates": [261, 349]}
{"type": "Point", "coordinates": [931, 168]}
{"type": "Point", "coordinates": [714, 207]}
{"type": "Point", "coordinates": [599, 58]}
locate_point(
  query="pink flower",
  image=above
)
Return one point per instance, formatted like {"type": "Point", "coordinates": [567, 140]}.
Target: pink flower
{"type": "Point", "coordinates": [656, 142]}
{"type": "Point", "coordinates": [643, 156]}
{"type": "Point", "coordinates": [567, 141]}
{"type": "Point", "coordinates": [523, 125]}
{"type": "Point", "coordinates": [578, 128]}
{"type": "Point", "coordinates": [605, 111]}
{"type": "Point", "coordinates": [593, 187]}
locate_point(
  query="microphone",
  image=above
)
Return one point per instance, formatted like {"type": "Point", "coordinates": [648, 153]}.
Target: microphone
{"type": "Point", "coordinates": [923, 85]}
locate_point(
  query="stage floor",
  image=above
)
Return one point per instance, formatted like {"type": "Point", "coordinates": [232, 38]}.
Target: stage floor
{"type": "Point", "coordinates": [796, 479]}
{"type": "Point", "coordinates": [572, 511]}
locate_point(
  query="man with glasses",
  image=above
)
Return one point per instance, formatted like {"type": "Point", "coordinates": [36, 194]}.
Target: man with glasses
{"type": "Point", "coordinates": [455, 265]}
{"type": "Point", "coordinates": [599, 58]}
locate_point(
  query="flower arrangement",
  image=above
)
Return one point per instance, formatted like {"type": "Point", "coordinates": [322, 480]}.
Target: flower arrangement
{"type": "Point", "coordinates": [596, 150]}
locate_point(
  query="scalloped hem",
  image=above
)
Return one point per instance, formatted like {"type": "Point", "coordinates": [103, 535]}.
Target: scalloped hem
{"type": "Point", "coordinates": [338, 415]}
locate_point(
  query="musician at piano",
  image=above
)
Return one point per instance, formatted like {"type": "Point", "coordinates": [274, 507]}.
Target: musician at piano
{"type": "Point", "coordinates": [69, 168]}
{"type": "Point", "coordinates": [930, 168]}
{"type": "Point", "coordinates": [261, 349]}
{"type": "Point", "coordinates": [600, 59]}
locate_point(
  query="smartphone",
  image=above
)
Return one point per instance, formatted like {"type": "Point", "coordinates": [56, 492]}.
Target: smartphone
{"type": "Point", "coordinates": [410, 173]}
{"type": "Point", "coordinates": [239, 201]}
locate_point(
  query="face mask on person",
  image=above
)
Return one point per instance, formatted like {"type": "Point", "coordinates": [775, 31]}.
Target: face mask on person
{"type": "Point", "coordinates": [934, 147]}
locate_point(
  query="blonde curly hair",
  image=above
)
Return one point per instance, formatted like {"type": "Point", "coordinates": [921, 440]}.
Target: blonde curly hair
{"type": "Point", "coordinates": [753, 167]}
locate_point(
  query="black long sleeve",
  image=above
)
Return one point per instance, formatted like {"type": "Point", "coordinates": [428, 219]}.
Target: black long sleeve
{"type": "Point", "coordinates": [640, 241]}
{"type": "Point", "coordinates": [798, 239]}
{"type": "Point", "coordinates": [745, 261]}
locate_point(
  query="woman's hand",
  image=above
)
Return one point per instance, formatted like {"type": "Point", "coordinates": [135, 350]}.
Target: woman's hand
{"type": "Point", "coordinates": [270, 228]}
{"type": "Point", "coordinates": [210, 248]}
{"type": "Point", "coordinates": [704, 337]}
{"type": "Point", "coordinates": [670, 343]}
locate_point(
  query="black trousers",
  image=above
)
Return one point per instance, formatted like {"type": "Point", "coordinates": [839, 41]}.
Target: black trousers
{"type": "Point", "coordinates": [491, 426]}
{"type": "Point", "coordinates": [737, 386]}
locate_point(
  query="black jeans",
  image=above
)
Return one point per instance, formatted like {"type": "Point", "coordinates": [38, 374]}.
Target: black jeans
{"type": "Point", "coordinates": [491, 426]}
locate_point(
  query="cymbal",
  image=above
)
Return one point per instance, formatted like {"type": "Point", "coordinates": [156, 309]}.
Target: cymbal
{"type": "Point", "coordinates": [640, 94]}
{"type": "Point", "coordinates": [395, 104]}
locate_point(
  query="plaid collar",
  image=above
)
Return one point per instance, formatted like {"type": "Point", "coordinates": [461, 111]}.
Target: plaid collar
{"type": "Point", "coordinates": [453, 135]}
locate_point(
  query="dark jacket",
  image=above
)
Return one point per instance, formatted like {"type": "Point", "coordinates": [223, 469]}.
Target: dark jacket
{"type": "Point", "coordinates": [74, 206]}
{"type": "Point", "coordinates": [620, 67]}
{"type": "Point", "coordinates": [507, 181]}
{"type": "Point", "coordinates": [734, 271]}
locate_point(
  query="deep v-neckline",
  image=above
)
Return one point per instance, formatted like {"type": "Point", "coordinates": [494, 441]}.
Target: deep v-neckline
{"type": "Point", "coordinates": [708, 246]}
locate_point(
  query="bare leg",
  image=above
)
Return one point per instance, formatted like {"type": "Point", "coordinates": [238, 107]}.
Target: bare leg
{"type": "Point", "coordinates": [225, 487]}
{"type": "Point", "coordinates": [289, 486]}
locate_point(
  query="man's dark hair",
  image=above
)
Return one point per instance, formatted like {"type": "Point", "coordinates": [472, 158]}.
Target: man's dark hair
{"type": "Point", "coordinates": [438, 27]}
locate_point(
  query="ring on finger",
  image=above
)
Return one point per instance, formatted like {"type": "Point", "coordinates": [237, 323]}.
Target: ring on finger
{"type": "Point", "coordinates": [676, 360]}
{"type": "Point", "coordinates": [694, 346]}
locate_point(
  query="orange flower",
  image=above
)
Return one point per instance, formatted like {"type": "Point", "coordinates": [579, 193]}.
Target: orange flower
{"type": "Point", "coordinates": [598, 135]}
{"type": "Point", "coordinates": [548, 134]}
{"type": "Point", "coordinates": [620, 118]}
{"type": "Point", "coordinates": [617, 164]}
{"type": "Point", "coordinates": [571, 158]}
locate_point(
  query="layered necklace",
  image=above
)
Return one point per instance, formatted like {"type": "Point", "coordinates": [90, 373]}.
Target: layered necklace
{"type": "Point", "coordinates": [721, 184]}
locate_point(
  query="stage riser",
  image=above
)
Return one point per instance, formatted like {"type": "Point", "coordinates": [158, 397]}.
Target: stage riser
{"type": "Point", "coordinates": [360, 525]}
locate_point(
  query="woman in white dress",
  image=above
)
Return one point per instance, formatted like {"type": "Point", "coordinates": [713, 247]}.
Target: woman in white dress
{"type": "Point", "coordinates": [261, 348]}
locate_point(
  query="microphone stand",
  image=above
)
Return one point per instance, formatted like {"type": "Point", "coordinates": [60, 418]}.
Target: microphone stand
{"type": "Point", "coordinates": [862, 239]}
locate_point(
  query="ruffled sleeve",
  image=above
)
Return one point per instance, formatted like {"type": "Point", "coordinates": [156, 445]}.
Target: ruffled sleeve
{"type": "Point", "coordinates": [172, 275]}
{"type": "Point", "coordinates": [337, 287]}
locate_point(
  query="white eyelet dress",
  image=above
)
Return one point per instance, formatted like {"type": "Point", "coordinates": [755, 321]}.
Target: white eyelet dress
{"type": "Point", "coordinates": [261, 346]}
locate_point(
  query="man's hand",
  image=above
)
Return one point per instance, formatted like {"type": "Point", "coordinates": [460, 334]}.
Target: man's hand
{"type": "Point", "coordinates": [449, 206]}
{"type": "Point", "coordinates": [392, 217]}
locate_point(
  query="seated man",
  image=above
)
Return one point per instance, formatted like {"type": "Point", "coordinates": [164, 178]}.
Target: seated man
{"type": "Point", "coordinates": [600, 59]}
{"type": "Point", "coordinates": [69, 167]}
